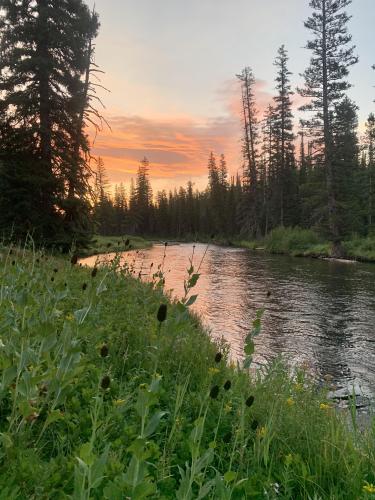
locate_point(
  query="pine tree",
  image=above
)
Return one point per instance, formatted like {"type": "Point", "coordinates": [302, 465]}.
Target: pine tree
{"type": "Point", "coordinates": [283, 127]}
{"type": "Point", "coordinates": [325, 85]}
{"type": "Point", "coordinates": [249, 211]}
{"type": "Point", "coordinates": [44, 47]}
{"type": "Point", "coordinates": [370, 167]}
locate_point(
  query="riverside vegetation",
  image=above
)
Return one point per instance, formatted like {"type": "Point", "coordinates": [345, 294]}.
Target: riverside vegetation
{"type": "Point", "coordinates": [110, 390]}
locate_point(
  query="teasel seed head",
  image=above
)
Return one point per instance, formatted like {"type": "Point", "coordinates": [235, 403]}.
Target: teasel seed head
{"type": "Point", "coordinates": [106, 382]}
{"type": "Point", "coordinates": [227, 385]}
{"type": "Point", "coordinates": [162, 313]}
{"type": "Point", "coordinates": [218, 357]}
{"type": "Point", "coordinates": [214, 392]}
{"type": "Point", "coordinates": [104, 351]}
{"type": "Point", "coordinates": [250, 401]}
{"type": "Point", "coordinates": [254, 425]}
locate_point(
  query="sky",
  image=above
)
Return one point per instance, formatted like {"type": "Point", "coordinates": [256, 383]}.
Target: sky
{"type": "Point", "coordinates": [170, 69]}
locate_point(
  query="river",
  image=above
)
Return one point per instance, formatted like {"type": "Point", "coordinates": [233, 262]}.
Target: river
{"type": "Point", "coordinates": [318, 313]}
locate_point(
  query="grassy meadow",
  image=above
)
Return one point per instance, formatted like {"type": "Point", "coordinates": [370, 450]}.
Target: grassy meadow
{"type": "Point", "coordinates": [110, 391]}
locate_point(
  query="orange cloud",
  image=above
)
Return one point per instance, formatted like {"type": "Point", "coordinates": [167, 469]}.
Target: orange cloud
{"type": "Point", "coordinates": [177, 147]}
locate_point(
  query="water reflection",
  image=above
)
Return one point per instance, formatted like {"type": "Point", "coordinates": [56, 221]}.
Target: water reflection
{"type": "Point", "coordinates": [320, 312]}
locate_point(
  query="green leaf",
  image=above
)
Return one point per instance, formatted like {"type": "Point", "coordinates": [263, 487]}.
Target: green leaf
{"type": "Point", "coordinates": [193, 280]}
{"type": "Point", "coordinates": [53, 417]}
{"type": "Point", "coordinates": [154, 422]}
{"type": "Point", "coordinates": [191, 300]}
{"type": "Point", "coordinates": [230, 476]}
{"type": "Point", "coordinates": [247, 362]}
{"type": "Point", "coordinates": [249, 348]}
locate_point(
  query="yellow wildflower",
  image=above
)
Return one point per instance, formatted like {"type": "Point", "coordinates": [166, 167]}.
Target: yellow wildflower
{"type": "Point", "coordinates": [261, 432]}
{"type": "Point", "coordinates": [227, 408]}
{"type": "Point", "coordinates": [69, 317]}
{"type": "Point", "coordinates": [298, 387]}
{"type": "Point", "coordinates": [213, 371]}
{"type": "Point", "coordinates": [290, 401]}
{"type": "Point", "coordinates": [369, 488]}
{"type": "Point", "coordinates": [119, 402]}
{"type": "Point", "coordinates": [324, 406]}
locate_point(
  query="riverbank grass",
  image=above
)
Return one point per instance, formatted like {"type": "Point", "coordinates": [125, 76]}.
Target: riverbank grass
{"type": "Point", "coordinates": [105, 244]}
{"type": "Point", "coordinates": [107, 395]}
{"type": "Point", "coordinates": [299, 242]}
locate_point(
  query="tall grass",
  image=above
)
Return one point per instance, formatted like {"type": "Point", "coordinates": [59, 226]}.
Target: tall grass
{"type": "Point", "coordinates": [104, 395]}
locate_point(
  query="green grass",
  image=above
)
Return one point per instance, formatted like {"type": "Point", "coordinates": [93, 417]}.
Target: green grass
{"type": "Point", "coordinates": [105, 244]}
{"type": "Point", "coordinates": [98, 400]}
{"type": "Point", "coordinates": [306, 243]}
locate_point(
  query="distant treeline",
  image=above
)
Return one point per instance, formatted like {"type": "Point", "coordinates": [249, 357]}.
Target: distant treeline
{"type": "Point", "coordinates": [321, 177]}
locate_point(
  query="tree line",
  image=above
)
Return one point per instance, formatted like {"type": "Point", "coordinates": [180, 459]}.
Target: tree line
{"type": "Point", "coordinates": [315, 174]}
{"type": "Point", "coordinates": [320, 178]}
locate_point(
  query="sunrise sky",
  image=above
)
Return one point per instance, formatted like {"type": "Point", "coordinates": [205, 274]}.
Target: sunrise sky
{"type": "Point", "coordinates": [170, 67]}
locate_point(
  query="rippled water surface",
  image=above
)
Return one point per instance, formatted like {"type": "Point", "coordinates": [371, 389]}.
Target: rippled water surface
{"type": "Point", "coordinates": [320, 312]}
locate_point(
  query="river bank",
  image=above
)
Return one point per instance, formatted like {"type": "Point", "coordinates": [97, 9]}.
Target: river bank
{"type": "Point", "coordinates": [298, 242]}
{"type": "Point", "coordinates": [105, 244]}
{"type": "Point", "coordinates": [105, 395]}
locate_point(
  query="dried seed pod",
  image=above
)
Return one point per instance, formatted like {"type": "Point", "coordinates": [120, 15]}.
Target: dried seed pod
{"type": "Point", "coordinates": [162, 313]}
{"type": "Point", "coordinates": [250, 401]}
{"type": "Point", "coordinates": [227, 385]}
{"type": "Point", "coordinates": [218, 357]}
{"type": "Point", "coordinates": [104, 351]}
{"type": "Point", "coordinates": [254, 425]}
{"type": "Point", "coordinates": [106, 382]}
{"type": "Point", "coordinates": [214, 392]}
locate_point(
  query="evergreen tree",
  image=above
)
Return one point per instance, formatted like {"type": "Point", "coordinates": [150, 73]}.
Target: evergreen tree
{"type": "Point", "coordinates": [249, 211]}
{"type": "Point", "coordinates": [325, 85]}
{"type": "Point", "coordinates": [44, 46]}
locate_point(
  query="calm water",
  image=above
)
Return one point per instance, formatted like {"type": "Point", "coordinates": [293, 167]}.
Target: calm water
{"type": "Point", "coordinates": [320, 313]}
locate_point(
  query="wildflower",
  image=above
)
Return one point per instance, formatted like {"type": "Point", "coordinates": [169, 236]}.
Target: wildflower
{"type": "Point", "coordinates": [162, 313]}
{"type": "Point", "coordinates": [104, 351]}
{"type": "Point", "coordinates": [119, 402]}
{"type": "Point", "coordinates": [250, 401]}
{"type": "Point", "coordinates": [227, 408]}
{"type": "Point", "coordinates": [261, 432]}
{"type": "Point", "coordinates": [69, 317]}
{"type": "Point", "coordinates": [94, 272]}
{"type": "Point", "coordinates": [213, 371]}
{"type": "Point", "coordinates": [74, 259]}
{"type": "Point", "coordinates": [254, 425]}
{"type": "Point", "coordinates": [324, 406]}
{"type": "Point", "coordinates": [214, 392]}
{"type": "Point", "coordinates": [84, 286]}
{"type": "Point", "coordinates": [290, 401]}
{"type": "Point", "coordinates": [218, 357]}
{"type": "Point", "coordinates": [105, 383]}
{"type": "Point", "coordinates": [227, 385]}
{"type": "Point", "coordinates": [369, 488]}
